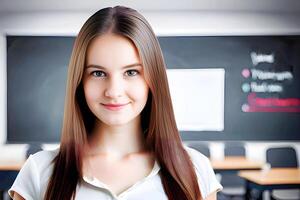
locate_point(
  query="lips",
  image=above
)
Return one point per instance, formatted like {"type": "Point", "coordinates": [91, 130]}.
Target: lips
{"type": "Point", "coordinates": [114, 106]}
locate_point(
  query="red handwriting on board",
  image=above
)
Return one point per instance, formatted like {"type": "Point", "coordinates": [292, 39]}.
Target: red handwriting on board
{"type": "Point", "coordinates": [271, 104]}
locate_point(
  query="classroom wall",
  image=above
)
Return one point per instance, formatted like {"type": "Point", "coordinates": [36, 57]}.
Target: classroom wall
{"type": "Point", "coordinates": [166, 23]}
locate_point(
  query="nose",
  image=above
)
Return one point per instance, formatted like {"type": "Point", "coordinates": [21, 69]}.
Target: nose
{"type": "Point", "coordinates": [114, 88]}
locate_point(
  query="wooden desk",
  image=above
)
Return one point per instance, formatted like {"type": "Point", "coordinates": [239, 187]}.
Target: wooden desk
{"type": "Point", "coordinates": [275, 178]}
{"type": "Point", "coordinates": [235, 163]}
{"type": "Point", "coordinates": [11, 165]}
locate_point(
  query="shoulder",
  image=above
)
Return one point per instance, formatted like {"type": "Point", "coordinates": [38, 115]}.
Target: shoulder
{"type": "Point", "coordinates": [201, 162]}
{"type": "Point", "coordinates": [43, 157]}
{"type": "Point", "coordinates": [42, 163]}
{"type": "Point", "coordinates": [39, 162]}
{"type": "Point", "coordinates": [207, 180]}
{"type": "Point", "coordinates": [198, 159]}
{"type": "Point", "coordinates": [34, 174]}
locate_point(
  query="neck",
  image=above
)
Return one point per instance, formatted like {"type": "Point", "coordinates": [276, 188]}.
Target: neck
{"type": "Point", "coordinates": [117, 141]}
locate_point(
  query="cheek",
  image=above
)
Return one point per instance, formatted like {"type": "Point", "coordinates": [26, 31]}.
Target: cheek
{"type": "Point", "coordinates": [140, 91]}
{"type": "Point", "coordinates": [91, 91]}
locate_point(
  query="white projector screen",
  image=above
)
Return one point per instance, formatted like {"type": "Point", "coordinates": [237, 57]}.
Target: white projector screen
{"type": "Point", "coordinates": [198, 98]}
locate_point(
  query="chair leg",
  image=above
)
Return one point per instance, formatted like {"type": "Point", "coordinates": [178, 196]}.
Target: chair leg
{"type": "Point", "coordinates": [1, 194]}
{"type": "Point", "coordinates": [255, 194]}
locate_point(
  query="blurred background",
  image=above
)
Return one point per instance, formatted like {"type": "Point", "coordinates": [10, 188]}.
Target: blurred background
{"type": "Point", "coordinates": [245, 117]}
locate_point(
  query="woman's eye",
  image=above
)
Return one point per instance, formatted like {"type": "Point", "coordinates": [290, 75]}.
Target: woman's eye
{"type": "Point", "coordinates": [98, 73]}
{"type": "Point", "coordinates": [131, 72]}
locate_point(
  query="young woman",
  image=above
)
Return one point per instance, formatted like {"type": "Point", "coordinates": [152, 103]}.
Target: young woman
{"type": "Point", "coordinates": [119, 137]}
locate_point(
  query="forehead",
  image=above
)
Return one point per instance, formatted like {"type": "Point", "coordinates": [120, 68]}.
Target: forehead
{"type": "Point", "coordinates": [111, 50]}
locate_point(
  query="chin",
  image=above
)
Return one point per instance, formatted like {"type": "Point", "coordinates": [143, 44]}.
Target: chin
{"type": "Point", "coordinates": [116, 122]}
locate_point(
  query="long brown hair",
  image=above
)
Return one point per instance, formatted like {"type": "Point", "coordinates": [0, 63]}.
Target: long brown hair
{"type": "Point", "coordinates": [158, 122]}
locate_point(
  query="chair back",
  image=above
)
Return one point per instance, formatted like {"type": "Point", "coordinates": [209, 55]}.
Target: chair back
{"type": "Point", "coordinates": [234, 149]}
{"type": "Point", "coordinates": [282, 157]}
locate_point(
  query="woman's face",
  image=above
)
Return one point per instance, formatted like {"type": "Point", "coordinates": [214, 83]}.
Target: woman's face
{"type": "Point", "coordinates": [113, 81]}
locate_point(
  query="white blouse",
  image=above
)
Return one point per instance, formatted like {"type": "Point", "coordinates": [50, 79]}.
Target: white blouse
{"type": "Point", "coordinates": [31, 182]}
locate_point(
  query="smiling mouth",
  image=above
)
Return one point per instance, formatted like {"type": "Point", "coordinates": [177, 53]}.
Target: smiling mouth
{"type": "Point", "coordinates": [114, 106]}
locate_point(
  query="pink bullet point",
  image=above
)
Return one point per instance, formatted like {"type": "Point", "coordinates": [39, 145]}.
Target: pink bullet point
{"type": "Point", "coordinates": [246, 73]}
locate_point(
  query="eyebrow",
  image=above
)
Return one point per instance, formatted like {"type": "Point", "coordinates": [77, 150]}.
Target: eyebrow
{"type": "Point", "coordinates": [101, 67]}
